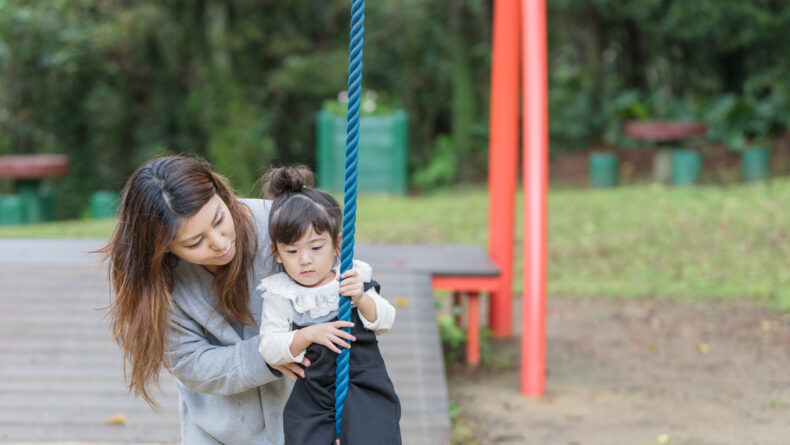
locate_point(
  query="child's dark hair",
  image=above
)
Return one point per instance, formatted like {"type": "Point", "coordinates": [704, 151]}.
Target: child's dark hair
{"type": "Point", "coordinates": [298, 206]}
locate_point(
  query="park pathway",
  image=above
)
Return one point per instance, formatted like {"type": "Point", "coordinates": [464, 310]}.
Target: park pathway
{"type": "Point", "coordinates": [61, 378]}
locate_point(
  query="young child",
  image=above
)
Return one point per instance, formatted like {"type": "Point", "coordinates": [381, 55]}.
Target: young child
{"type": "Point", "coordinates": [300, 306]}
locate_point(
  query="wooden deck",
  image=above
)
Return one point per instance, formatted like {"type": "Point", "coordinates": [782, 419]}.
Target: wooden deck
{"type": "Point", "coordinates": [61, 376]}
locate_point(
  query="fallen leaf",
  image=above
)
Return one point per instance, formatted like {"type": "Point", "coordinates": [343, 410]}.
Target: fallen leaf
{"type": "Point", "coordinates": [768, 325]}
{"type": "Point", "coordinates": [118, 419]}
{"type": "Point", "coordinates": [703, 348]}
{"type": "Point", "coordinates": [401, 302]}
{"type": "Point", "coordinates": [662, 439]}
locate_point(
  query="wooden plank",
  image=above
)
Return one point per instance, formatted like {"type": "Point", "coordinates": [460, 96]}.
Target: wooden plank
{"type": "Point", "coordinates": [61, 382]}
{"type": "Point", "coordinates": [432, 259]}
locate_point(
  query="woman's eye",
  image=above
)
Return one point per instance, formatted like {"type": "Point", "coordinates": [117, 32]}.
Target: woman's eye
{"type": "Point", "coordinates": [220, 220]}
{"type": "Point", "coordinates": [196, 244]}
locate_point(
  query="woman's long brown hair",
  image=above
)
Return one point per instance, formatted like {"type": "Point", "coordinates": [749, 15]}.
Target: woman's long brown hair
{"type": "Point", "coordinates": [156, 200]}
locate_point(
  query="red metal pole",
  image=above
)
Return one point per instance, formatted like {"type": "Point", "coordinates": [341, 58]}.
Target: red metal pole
{"type": "Point", "coordinates": [473, 330]}
{"type": "Point", "coordinates": [535, 157]}
{"type": "Point", "coordinates": [503, 159]}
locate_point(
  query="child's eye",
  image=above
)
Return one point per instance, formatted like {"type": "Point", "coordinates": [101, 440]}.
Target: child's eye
{"type": "Point", "coordinates": [290, 251]}
{"type": "Point", "coordinates": [318, 247]}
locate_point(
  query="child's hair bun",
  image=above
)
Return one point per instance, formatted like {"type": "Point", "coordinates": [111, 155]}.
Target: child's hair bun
{"type": "Point", "coordinates": [281, 180]}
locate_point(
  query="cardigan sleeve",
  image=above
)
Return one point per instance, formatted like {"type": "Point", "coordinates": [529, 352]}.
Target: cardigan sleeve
{"type": "Point", "coordinates": [276, 334]}
{"type": "Point", "coordinates": [208, 368]}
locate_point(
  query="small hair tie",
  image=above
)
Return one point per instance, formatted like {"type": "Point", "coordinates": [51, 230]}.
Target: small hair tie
{"type": "Point", "coordinates": [304, 187]}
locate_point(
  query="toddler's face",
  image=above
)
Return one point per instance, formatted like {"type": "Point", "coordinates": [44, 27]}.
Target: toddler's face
{"type": "Point", "coordinates": [309, 260]}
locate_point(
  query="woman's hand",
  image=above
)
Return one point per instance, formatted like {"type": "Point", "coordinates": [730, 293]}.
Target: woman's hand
{"type": "Point", "coordinates": [292, 370]}
{"type": "Point", "coordinates": [327, 334]}
{"type": "Point", "coordinates": [351, 285]}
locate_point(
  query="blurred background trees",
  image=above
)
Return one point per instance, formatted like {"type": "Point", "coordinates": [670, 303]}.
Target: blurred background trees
{"type": "Point", "coordinates": [113, 83]}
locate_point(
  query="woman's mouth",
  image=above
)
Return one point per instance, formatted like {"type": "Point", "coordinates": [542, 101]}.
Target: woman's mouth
{"type": "Point", "coordinates": [226, 255]}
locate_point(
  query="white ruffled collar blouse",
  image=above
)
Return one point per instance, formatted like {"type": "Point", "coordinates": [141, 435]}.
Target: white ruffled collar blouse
{"type": "Point", "coordinates": [318, 301]}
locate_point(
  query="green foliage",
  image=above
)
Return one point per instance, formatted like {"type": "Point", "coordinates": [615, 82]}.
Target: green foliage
{"type": "Point", "coordinates": [739, 121]}
{"type": "Point", "coordinates": [453, 338]}
{"type": "Point", "coordinates": [373, 104]}
{"type": "Point", "coordinates": [442, 167]}
{"type": "Point", "coordinates": [674, 59]}
{"type": "Point", "coordinates": [113, 84]}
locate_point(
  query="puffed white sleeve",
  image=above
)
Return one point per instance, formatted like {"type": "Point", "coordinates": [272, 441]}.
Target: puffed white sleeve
{"type": "Point", "coordinates": [385, 311]}
{"type": "Point", "coordinates": [276, 334]}
{"type": "Point", "coordinates": [385, 314]}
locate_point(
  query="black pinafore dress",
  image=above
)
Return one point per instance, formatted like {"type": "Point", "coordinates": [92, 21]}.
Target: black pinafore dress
{"type": "Point", "coordinates": [371, 411]}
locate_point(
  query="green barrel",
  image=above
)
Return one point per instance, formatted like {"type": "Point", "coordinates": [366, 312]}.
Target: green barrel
{"type": "Point", "coordinates": [686, 167]}
{"type": "Point", "coordinates": [103, 204]}
{"type": "Point", "coordinates": [383, 152]}
{"type": "Point", "coordinates": [46, 200]}
{"type": "Point", "coordinates": [755, 164]}
{"type": "Point", "coordinates": [27, 190]}
{"type": "Point", "coordinates": [12, 210]}
{"type": "Point", "coordinates": [604, 169]}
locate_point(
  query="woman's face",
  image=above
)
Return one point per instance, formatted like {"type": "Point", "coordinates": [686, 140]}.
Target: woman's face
{"type": "Point", "coordinates": [208, 237]}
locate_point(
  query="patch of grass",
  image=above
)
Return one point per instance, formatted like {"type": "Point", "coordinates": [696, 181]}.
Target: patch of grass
{"type": "Point", "coordinates": [693, 242]}
{"type": "Point", "coordinates": [88, 228]}
{"type": "Point", "coordinates": [673, 242]}
{"type": "Point", "coordinates": [456, 216]}
{"type": "Point", "coordinates": [463, 428]}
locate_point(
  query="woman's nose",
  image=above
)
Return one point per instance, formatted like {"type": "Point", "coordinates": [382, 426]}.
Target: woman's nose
{"type": "Point", "coordinates": [218, 242]}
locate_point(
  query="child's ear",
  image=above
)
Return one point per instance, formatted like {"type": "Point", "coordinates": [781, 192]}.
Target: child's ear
{"type": "Point", "coordinates": [275, 254]}
{"type": "Point", "coordinates": [338, 244]}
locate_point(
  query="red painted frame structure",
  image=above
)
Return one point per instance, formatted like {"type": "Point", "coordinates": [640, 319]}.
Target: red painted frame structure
{"type": "Point", "coordinates": [519, 64]}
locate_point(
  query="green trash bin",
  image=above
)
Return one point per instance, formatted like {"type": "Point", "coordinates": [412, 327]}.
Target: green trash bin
{"type": "Point", "coordinates": [12, 210]}
{"type": "Point", "coordinates": [603, 169]}
{"type": "Point", "coordinates": [103, 204]}
{"type": "Point", "coordinates": [27, 190]}
{"type": "Point", "coordinates": [383, 152]}
{"type": "Point", "coordinates": [46, 200]}
{"type": "Point", "coordinates": [755, 163]}
{"type": "Point", "coordinates": [686, 167]}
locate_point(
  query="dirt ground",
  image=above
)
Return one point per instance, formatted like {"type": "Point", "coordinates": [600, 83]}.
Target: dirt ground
{"type": "Point", "coordinates": [635, 372]}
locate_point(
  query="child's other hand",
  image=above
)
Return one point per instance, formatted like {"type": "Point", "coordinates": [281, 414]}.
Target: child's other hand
{"type": "Point", "coordinates": [330, 334]}
{"type": "Point", "coordinates": [351, 284]}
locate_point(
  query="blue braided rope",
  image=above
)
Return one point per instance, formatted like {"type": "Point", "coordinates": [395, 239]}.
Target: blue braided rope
{"type": "Point", "coordinates": [350, 189]}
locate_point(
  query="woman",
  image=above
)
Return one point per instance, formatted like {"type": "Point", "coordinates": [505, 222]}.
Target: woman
{"type": "Point", "coordinates": [185, 258]}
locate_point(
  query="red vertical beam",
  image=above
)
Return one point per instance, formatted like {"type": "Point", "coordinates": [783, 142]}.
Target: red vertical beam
{"type": "Point", "coordinates": [473, 330]}
{"type": "Point", "coordinates": [535, 168]}
{"type": "Point", "coordinates": [503, 159]}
